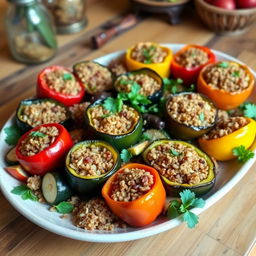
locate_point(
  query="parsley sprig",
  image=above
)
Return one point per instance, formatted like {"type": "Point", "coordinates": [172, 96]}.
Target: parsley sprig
{"type": "Point", "coordinates": [64, 207]}
{"type": "Point", "coordinates": [67, 76]}
{"type": "Point", "coordinates": [243, 154]}
{"type": "Point", "coordinates": [248, 109]}
{"type": "Point", "coordinates": [113, 105]}
{"type": "Point", "coordinates": [13, 134]}
{"type": "Point", "coordinates": [174, 152]}
{"type": "Point", "coordinates": [148, 54]}
{"type": "Point", "coordinates": [183, 206]}
{"type": "Point", "coordinates": [172, 85]}
{"type": "Point", "coordinates": [223, 64]}
{"type": "Point", "coordinates": [37, 134]}
{"type": "Point", "coordinates": [125, 155]}
{"type": "Point", "coordinates": [25, 193]}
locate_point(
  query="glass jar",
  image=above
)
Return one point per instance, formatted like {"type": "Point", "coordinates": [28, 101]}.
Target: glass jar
{"type": "Point", "coordinates": [30, 31]}
{"type": "Point", "coordinates": [69, 15]}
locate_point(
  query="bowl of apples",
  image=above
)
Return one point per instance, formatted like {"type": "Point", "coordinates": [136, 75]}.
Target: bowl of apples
{"type": "Point", "coordinates": [227, 17]}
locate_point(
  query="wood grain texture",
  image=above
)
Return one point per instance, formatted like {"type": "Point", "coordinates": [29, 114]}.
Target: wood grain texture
{"type": "Point", "coordinates": [227, 228]}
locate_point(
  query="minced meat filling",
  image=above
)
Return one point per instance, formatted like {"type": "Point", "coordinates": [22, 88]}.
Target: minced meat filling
{"type": "Point", "coordinates": [44, 112]}
{"type": "Point", "coordinates": [192, 57]}
{"type": "Point", "coordinates": [91, 160]}
{"type": "Point", "coordinates": [191, 109]}
{"type": "Point", "coordinates": [63, 82]}
{"type": "Point", "coordinates": [227, 76]}
{"type": "Point", "coordinates": [115, 124]}
{"type": "Point", "coordinates": [95, 76]}
{"type": "Point", "coordinates": [117, 66]}
{"type": "Point", "coordinates": [148, 53]}
{"type": "Point", "coordinates": [130, 184]}
{"type": "Point", "coordinates": [226, 126]}
{"type": "Point", "coordinates": [148, 84]}
{"type": "Point", "coordinates": [178, 163]}
{"type": "Point", "coordinates": [38, 140]}
{"type": "Point", "coordinates": [95, 215]}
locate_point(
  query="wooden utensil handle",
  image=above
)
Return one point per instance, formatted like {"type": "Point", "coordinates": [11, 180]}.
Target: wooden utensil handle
{"type": "Point", "coordinates": [103, 37]}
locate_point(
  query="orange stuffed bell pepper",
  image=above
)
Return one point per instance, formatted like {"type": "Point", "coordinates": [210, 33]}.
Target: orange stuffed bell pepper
{"type": "Point", "coordinates": [135, 193]}
{"type": "Point", "coordinates": [221, 148]}
{"type": "Point", "coordinates": [149, 55]}
{"type": "Point", "coordinates": [188, 62]}
{"type": "Point", "coordinates": [228, 84]}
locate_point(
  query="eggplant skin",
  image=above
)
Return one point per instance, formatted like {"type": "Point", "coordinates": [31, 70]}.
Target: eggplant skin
{"type": "Point", "coordinates": [24, 127]}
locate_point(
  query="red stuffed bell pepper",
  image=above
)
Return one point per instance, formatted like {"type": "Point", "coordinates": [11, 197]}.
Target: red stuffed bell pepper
{"type": "Point", "coordinates": [188, 62]}
{"type": "Point", "coordinates": [60, 84]}
{"type": "Point", "coordinates": [43, 148]}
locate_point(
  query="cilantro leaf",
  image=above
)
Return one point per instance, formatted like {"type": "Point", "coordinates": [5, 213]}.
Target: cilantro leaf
{"type": "Point", "coordinates": [125, 155]}
{"type": "Point", "coordinates": [172, 85]}
{"type": "Point", "coordinates": [64, 207]}
{"type": "Point", "coordinates": [190, 218]}
{"type": "Point", "coordinates": [192, 88]}
{"type": "Point", "coordinates": [243, 154]}
{"type": "Point", "coordinates": [67, 76]}
{"type": "Point", "coordinates": [153, 109]}
{"type": "Point", "coordinates": [37, 134]}
{"type": "Point", "coordinates": [201, 116]}
{"type": "Point", "coordinates": [236, 74]}
{"type": "Point", "coordinates": [12, 135]}
{"type": "Point", "coordinates": [223, 64]}
{"type": "Point", "coordinates": [25, 193]}
{"type": "Point", "coordinates": [174, 152]}
{"type": "Point", "coordinates": [187, 201]}
{"type": "Point", "coordinates": [173, 209]}
{"type": "Point", "coordinates": [145, 136]}
{"type": "Point", "coordinates": [250, 110]}
{"type": "Point", "coordinates": [113, 105]}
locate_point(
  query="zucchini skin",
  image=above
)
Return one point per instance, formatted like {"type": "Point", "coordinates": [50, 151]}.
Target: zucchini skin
{"type": "Point", "coordinates": [88, 187]}
{"type": "Point", "coordinates": [63, 190]}
{"type": "Point", "coordinates": [24, 127]}
{"type": "Point", "coordinates": [173, 189]}
{"type": "Point", "coordinates": [119, 141]}
{"type": "Point", "coordinates": [183, 131]}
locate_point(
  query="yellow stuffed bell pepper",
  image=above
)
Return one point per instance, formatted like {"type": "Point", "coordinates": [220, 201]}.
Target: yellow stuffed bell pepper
{"type": "Point", "coordinates": [221, 148]}
{"type": "Point", "coordinates": [148, 54]}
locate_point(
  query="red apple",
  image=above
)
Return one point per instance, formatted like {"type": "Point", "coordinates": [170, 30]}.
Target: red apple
{"type": "Point", "coordinates": [246, 3]}
{"type": "Point", "coordinates": [226, 4]}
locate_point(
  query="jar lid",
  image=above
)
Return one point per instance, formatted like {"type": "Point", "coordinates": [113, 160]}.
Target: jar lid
{"type": "Point", "coordinates": [21, 1]}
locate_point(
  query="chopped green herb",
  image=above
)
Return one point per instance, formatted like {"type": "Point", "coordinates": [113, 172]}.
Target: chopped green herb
{"type": "Point", "coordinates": [145, 136]}
{"type": "Point", "coordinates": [67, 76]}
{"type": "Point", "coordinates": [12, 135]}
{"type": "Point", "coordinates": [172, 85]}
{"type": "Point", "coordinates": [37, 134]}
{"type": "Point", "coordinates": [113, 105]}
{"type": "Point", "coordinates": [125, 155]}
{"type": "Point", "coordinates": [64, 207]}
{"type": "Point", "coordinates": [182, 207]}
{"type": "Point", "coordinates": [25, 193]}
{"type": "Point", "coordinates": [106, 115]}
{"type": "Point", "coordinates": [147, 54]}
{"type": "Point", "coordinates": [174, 152]}
{"type": "Point", "coordinates": [201, 117]}
{"type": "Point", "coordinates": [236, 74]}
{"type": "Point", "coordinates": [243, 154]}
{"type": "Point", "coordinates": [153, 109]}
{"type": "Point", "coordinates": [192, 88]}
{"type": "Point", "coordinates": [223, 64]}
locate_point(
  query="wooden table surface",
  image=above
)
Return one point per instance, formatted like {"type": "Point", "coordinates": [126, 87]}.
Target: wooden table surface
{"type": "Point", "coordinates": [227, 228]}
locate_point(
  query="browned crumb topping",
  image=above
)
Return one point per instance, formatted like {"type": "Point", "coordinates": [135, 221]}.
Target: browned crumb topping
{"type": "Point", "coordinates": [34, 183]}
{"type": "Point", "coordinates": [148, 84]}
{"type": "Point", "coordinates": [115, 124]}
{"type": "Point", "coordinates": [225, 127]}
{"type": "Point", "coordinates": [192, 57]}
{"type": "Point", "coordinates": [148, 53]}
{"type": "Point", "coordinates": [232, 78]}
{"type": "Point", "coordinates": [95, 76]}
{"type": "Point", "coordinates": [91, 160]}
{"type": "Point", "coordinates": [63, 82]}
{"type": "Point", "coordinates": [117, 66]}
{"type": "Point", "coordinates": [77, 113]}
{"type": "Point", "coordinates": [38, 140]}
{"type": "Point", "coordinates": [95, 215]}
{"type": "Point", "coordinates": [45, 112]}
{"type": "Point", "coordinates": [130, 184]}
{"type": "Point", "coordinates": [178, 163]}
{"type": "Point", "coordinates": [191, 109]}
